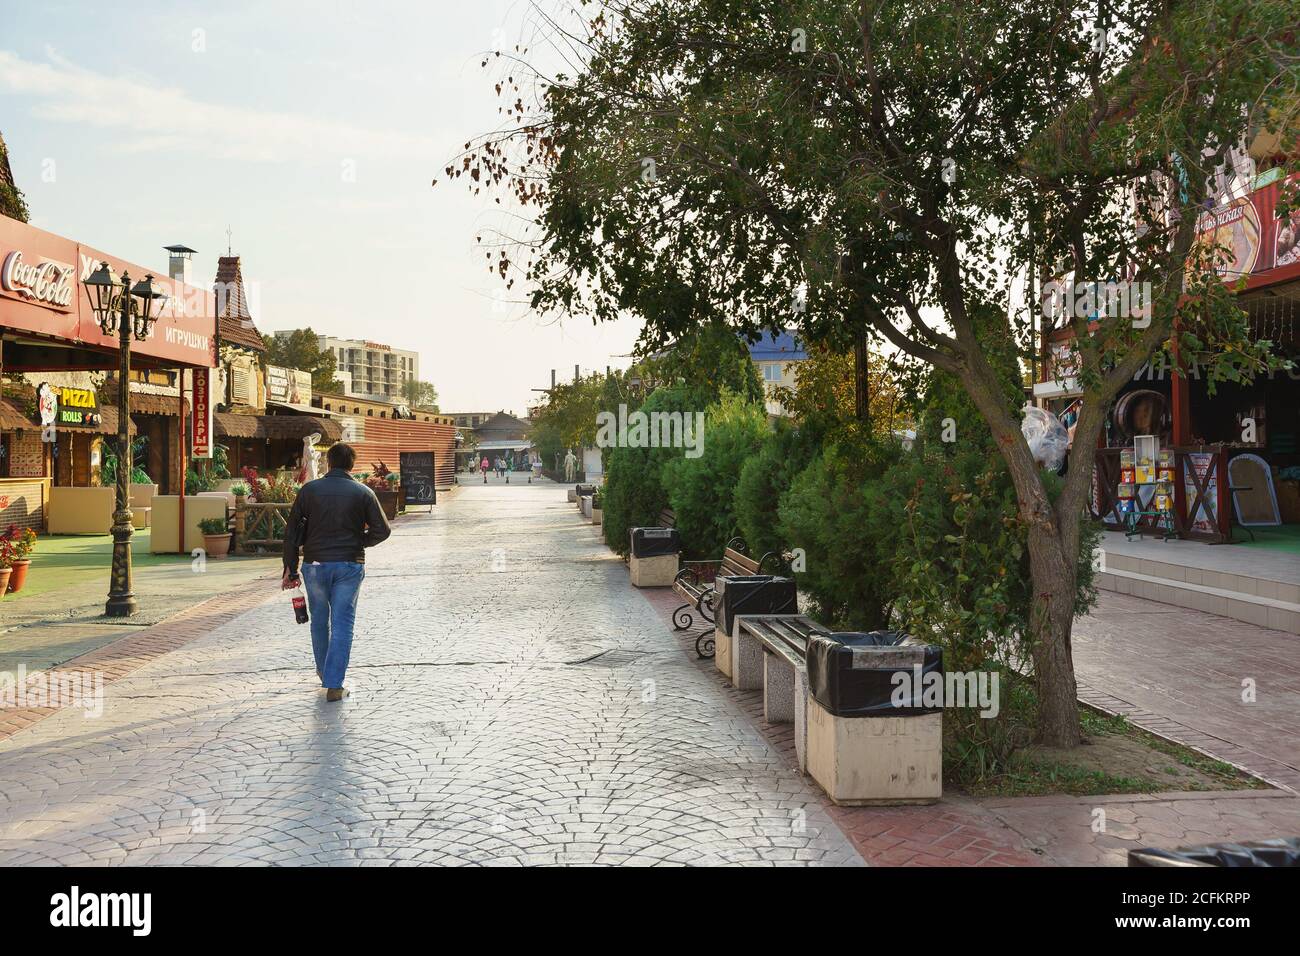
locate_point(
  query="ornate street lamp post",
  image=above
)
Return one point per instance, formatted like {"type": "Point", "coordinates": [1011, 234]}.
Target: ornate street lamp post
{"type": "Point", "coordinates": [129, 312]}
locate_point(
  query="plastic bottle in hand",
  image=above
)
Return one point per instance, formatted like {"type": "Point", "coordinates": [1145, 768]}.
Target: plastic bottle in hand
{"type": "Point", "coordinates": [299, 603]}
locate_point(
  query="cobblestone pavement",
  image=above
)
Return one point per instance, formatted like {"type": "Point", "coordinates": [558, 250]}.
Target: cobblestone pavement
{"type": "Point", "coordinates": [1055, 830]}
{"type": "Point", "coordinates": [514, 701]}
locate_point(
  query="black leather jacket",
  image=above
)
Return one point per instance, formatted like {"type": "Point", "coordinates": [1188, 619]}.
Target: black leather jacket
{"type": "Point", "coordinates": [334, 518]}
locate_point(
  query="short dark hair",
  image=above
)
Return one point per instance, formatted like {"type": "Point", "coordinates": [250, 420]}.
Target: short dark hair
{"type": "Point", "coordinates": [341, 455]}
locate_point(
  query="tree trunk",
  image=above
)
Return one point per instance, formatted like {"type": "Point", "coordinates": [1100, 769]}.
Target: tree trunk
{"type": "Point", "coordinates": [1053, 567]}
{"type": "Point", "coordinates": [861, 385]}
{"type": "Point", "coordinates": [1053, 573]}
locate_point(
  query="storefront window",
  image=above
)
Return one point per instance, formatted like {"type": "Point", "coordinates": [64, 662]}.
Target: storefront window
{"type": "Point", "coordinates": [4, 455]}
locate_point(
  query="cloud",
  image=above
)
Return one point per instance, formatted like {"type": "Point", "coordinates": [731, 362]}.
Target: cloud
{"type": "Point", "coordinates": [158, 117]}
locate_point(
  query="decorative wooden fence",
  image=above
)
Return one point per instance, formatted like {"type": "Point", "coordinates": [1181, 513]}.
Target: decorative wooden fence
{"type": "Point", "coordinates": [260, 525]}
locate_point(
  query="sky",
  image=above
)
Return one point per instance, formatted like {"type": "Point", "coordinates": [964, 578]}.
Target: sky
{"type": "Point", "coordinates": [310, 131]}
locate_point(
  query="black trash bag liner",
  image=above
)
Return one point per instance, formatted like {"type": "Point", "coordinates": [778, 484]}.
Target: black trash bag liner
{"type": "Point", "coordinates": [653, 542]}
{"type": "Point", "coordinates": [752, 594]}
{"type": "Point", "coordinates": [849, 679]}
{"type": "Point", "coordinates": [584, 490]}
{"type": "Point", "coordinates": [1282, 851]}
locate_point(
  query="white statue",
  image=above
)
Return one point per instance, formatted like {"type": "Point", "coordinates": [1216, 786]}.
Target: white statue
{"type": "Point", "coordinates": [310, 458]}
{"type": "Point", "coordinates": [570, 466]}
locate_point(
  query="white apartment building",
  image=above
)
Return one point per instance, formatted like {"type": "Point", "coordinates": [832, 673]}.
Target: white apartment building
{"type": "Point", "coordinates": [376, 371]}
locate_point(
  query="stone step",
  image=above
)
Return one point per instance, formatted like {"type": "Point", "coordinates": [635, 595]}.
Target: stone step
{"type": "Point", "coordinates": [1278, 583]}
{"type": "Point", "coordinates": [1241, 605]}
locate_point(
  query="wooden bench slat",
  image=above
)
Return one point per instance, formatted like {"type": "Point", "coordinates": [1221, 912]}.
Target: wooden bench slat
{"type": "Point", "coordinates": [784, 635]}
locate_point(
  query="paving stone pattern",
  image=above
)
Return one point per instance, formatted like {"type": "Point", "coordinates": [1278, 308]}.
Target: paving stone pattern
{"type": "Point", "coordinates": [513, 702]}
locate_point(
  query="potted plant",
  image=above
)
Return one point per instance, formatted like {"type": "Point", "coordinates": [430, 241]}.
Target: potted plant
{"type": "Point", "coordinates": [22, 542]}
{"type": "Point", "coordinates": [216, 537]}
{"type": "Point", "coordinates": [384, 490]}
{"type": "Point", "coordinates": [7, 551]}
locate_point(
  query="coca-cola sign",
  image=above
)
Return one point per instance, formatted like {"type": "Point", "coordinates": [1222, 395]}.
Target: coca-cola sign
{"type": "Point", "coordinates": [48, 283]}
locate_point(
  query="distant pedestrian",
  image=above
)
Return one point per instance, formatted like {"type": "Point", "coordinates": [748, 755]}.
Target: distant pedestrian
{"type": "Point", "coordinates": [334, 519]}
{"type": "Point", "coordinates": [483, 467]}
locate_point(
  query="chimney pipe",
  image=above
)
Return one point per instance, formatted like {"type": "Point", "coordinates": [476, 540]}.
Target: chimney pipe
{"type": "Point", "coordinates": [575, 375]}
{"type": "Point", "coordinates": [179, 262]}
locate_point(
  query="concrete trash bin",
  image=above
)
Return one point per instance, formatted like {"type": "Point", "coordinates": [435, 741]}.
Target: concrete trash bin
{"type": "Point", "coordinates": [654, 556]}
{"type": "Point", "coordinates": [871, 739]}
{"type": "Point", "coordinates": [752, 594]}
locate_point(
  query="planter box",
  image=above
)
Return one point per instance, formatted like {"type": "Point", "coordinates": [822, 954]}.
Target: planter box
{"type": "Point", "coordinates": [81, 510]}
{"type": "Point", "coordinates": [163, 538]}
{"type": "Point", "coordinates": [596, 515]}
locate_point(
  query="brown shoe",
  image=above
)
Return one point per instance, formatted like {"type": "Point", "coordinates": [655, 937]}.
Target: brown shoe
{"type": "Point", "coordinates": [335, 694]}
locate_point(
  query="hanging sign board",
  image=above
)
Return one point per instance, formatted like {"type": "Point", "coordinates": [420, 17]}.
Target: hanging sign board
{"type": "Point", "coordinates": [201, 414]}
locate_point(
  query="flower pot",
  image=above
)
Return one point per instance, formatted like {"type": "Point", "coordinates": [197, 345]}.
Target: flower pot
{"type": "Point", "coordinates": [4, 579]}
{"type": "Point", "coordinates": [388, 501]}
{"type": "Point", "coordinates": [216, 545]}
{"type": "Point", "coordinates": [18, 575]}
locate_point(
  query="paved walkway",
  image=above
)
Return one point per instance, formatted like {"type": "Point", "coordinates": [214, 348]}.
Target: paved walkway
{"type": "Point", "coordinates": [516, 701]}
{"type": "Point", "coordinates": [513, 702]}
{"type": "Point", "coordinates": [1185, 674]}
{"type": "Point", "coordinates": [64, 618]}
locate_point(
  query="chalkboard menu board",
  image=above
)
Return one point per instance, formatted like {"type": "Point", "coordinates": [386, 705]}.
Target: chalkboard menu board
{"type": "Point", "coordinates": [416, 471]}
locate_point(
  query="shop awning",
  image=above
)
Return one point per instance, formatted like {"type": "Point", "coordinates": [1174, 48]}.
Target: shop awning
{"type": "Point", "coordinates": [231, 425]}
{"type": "Point", "coordinates": [12, 416]}
{"type": "Point", "coordinates": [149, 403]}
{"type": "Point", "coordinates": [503, 446]}
{"type": "Point", "coordinates": [275, 427]}
{"type": "Point", "coordinates": [311, 410]}
{"type": "Point", "coordinates": [300, 426]}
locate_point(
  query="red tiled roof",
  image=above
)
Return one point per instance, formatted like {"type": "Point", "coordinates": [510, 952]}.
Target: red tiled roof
{"type": "Point", "coordinates": [234, 323]}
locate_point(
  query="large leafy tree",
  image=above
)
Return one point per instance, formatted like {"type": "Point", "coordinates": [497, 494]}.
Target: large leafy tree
{"type": "Point", "coordinates": [420, 394]}
{"type": "Point", "coordinates": [567, 419]}
{"type": "Point", "coordinates": [887, 167]}
{"type": "Point", "coordinates": [11, 198]}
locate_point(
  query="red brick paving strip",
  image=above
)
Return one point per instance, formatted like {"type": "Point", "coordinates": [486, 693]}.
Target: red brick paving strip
{"type": "Point", "coordinates": [121, 657]}
{"type": "Point", "coordinates": [950, 833]}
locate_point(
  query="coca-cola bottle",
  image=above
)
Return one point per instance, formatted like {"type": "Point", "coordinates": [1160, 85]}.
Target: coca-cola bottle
{"type": "Point", "coordinates": [299, 603]}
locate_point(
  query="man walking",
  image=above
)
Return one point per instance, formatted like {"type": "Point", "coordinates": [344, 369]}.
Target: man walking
{"type": "Point", "coordinates": [334, 518]}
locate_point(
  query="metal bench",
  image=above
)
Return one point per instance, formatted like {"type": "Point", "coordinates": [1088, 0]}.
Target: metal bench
{"type": "Point", "coordinates": [694, 583]}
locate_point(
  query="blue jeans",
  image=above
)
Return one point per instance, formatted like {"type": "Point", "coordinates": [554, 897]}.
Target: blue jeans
{"type": "Point", "coordinates": [332, 589]}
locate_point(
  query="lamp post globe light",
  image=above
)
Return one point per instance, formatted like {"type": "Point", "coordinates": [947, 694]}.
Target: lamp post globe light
{"type": "Point", "coordinates": [130, 312]}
